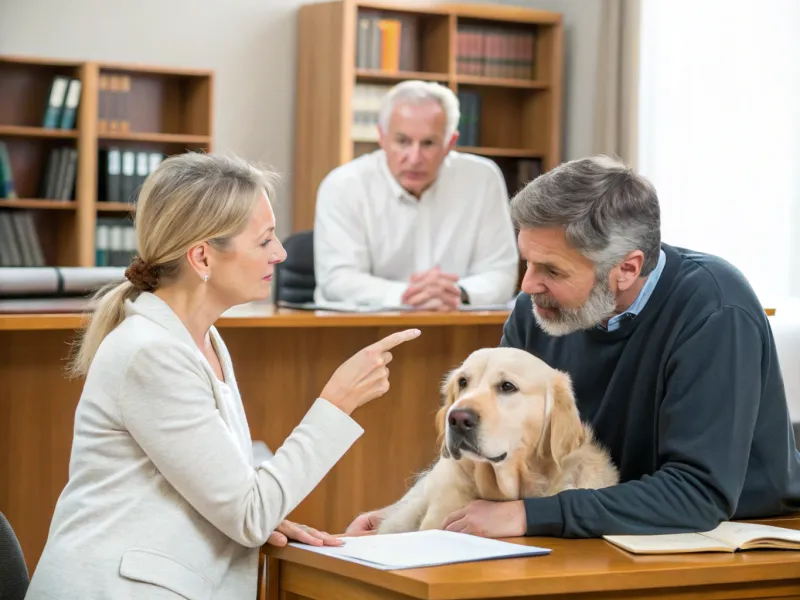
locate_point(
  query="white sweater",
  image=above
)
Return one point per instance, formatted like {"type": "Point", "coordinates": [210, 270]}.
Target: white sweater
{"type": "Point", "coordinates": [162, 491]}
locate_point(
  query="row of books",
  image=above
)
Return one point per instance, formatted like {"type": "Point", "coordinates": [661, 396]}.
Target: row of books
{"type": "Point", "coordinates": [62, 103]}
{"type": "Point", "coordinates": [367, 98]}
{"type": "Point", "coordinates": [389, 44]}
{"type": "Point", "coordinates": [58, 178]}
{"type": "Point", "coordinates": [527, 169]}
{"type": "Point", "coordinates": [122, 171]}
{"type": "Point", "coordinates": [20, 246]}
{"type": "Point", "coordinates": [60, 173]}
{"type": "Point", "coordinates": [115, 242]}
{"type": "Point", "coordinates": [469, 125]}
{"type": "Point", "coordinates": [19, 241]}
{"type": "Point", "coordinates": [113, 103]}
{"type": "Point", "coordinates": [492, 51]}
{"type": "Point", "coordinates": [7, 186]}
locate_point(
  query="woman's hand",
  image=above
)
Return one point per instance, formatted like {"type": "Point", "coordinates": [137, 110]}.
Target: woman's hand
{"type": "Point", "coordinates": [364, 376]}
{"type": "Point", "coordinates": [288, 531]}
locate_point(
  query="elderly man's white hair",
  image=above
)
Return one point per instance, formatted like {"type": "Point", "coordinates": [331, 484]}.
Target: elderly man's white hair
{"type": "Point", "coordinates": [416, 92]}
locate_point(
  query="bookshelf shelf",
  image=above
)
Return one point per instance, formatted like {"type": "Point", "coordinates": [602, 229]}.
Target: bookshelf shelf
{"type": "Point", "coordinates": [126, 207]}
{"type": "Point", "coordinates": [377, 75]}
{"type": "Point", "coordinates": [500, 82]}
{"type": "Point", "coordinates": [157, 138]}
{"type": "Point", "coordinates": [73, 170]}
{"type": "Point", "coordinates": [39, 204]}
{"type": "Point", "coordinates": [504, 63]}
{"type": "Point", "coordinates": [36, 132]}
{"type": "Point", "coordinates": [501, 152]}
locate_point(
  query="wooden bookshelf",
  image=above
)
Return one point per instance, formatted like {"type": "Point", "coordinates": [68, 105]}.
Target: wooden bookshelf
{"type": "Point", "coordinates": [134, 110]}
{"type": "Point", "coordinates": [504, 63]}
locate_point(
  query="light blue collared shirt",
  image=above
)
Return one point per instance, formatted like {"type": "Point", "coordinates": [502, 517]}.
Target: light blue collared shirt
{"type": "Point", "coordinates": [644, 294]}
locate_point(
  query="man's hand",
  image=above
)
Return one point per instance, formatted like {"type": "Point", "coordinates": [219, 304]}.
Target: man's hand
{"type": "Point", "coordinates": [433, 290]}
{"type": "Point", "coordinates": [489, 519]}
{"type": "Point", "coordinates": [287, 531]}
{"type": "Point", "coordinates": [364, 524]}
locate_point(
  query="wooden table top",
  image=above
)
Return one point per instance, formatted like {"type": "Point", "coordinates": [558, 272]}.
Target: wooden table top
{"type": "Point", "coordinates": [266, 315]}
{"type": "Point", "coordinates": [256, 314]}
{"type": "Point", "coordinates": [573, 566]}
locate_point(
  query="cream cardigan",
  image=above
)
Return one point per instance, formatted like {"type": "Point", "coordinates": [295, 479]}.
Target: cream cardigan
{"type": "Point", "coordinates": [162, 499]}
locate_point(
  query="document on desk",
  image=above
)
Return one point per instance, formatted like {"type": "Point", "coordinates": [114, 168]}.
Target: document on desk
{"type": "Point", "coordinates": [422, 549]}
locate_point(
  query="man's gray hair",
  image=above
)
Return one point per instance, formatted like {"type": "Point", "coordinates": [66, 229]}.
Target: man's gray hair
{"type": "Point", "coordinates": [606, 209]}
{"type": "Point", "coordinates": [416, 92]}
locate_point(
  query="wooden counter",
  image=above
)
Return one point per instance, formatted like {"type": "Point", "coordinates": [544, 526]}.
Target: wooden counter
{"type": "Point", "coordinates": [264, 315]}
{"type": "Point", "coordinates": [282, 361]}
{"type": "Point", "coordinates": [586, 569]}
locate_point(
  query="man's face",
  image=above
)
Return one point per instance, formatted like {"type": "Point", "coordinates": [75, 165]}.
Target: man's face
{"type": "Point", "coordinates": [414, 144]}
{"type": "Point", "coordinates": [567, 296]}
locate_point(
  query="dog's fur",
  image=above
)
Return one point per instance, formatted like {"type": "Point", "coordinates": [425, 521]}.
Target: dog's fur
{"type": "Point", "coordinates": [527, 441]}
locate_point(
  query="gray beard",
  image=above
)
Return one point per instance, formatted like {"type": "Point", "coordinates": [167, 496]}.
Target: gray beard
{"type": "Point", "coordinates": [600, 306]}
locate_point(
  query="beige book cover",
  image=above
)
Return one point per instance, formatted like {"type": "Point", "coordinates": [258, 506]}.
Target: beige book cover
{"type": "Point", "coordinates": [727, 537]}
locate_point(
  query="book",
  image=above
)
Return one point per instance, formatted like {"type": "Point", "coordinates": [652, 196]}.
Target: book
{"type": "Point", "coordinates": [727, 537]}
{"type": "Point", "coordinates": [417, 549]}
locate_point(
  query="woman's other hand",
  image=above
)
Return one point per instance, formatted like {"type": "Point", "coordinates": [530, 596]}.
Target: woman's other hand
{"type": "Point", "coordinates": [364, 376]}
{"type": "Point", "coordinates": [288, 531]}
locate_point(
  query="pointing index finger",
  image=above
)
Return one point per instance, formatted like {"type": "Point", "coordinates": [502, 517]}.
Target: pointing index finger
{"type": "Point", "coordinates": [395, 339]}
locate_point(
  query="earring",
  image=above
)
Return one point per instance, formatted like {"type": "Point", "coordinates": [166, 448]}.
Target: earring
{"type": "Point", "coordinates": [205, 278]}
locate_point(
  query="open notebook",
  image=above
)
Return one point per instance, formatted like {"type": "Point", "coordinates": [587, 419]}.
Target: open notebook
{"type": "Point", "coordinates": [727, 537]}
{"type": "Point", "coordinates": [422, 549]}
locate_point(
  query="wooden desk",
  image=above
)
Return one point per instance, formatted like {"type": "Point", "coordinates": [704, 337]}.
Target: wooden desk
{"type": "Point", "coordinates": [585, 569]}
{"type": "Point", "coordinates": [282, 361]}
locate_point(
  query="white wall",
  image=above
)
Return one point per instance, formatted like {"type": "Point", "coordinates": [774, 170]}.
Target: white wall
{"type": "Point", "coordinates": [720, 138]}
{"type": "Point", "coordinates": [720, 132]}
{"type": "Point", "coordinates": [250, 44]}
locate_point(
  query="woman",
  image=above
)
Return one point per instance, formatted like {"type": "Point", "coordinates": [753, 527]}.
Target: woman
{"type": "Point", "coordinates": [163, 500]}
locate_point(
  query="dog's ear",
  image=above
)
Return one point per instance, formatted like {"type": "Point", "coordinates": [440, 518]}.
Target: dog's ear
{"type": "Point", "coordinates": [565, 431]}
{"type": "Point", "coordinates": [449, 391]}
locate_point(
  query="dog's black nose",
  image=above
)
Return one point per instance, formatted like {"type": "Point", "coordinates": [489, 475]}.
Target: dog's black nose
{"type": "Point", "coordinates": [463, 420]}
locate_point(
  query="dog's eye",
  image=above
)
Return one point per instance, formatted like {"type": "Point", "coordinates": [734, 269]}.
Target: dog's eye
{"type": "Point", "coordinates": [462, 383]}
{"type": "Point", "coordinates": [508, 387]}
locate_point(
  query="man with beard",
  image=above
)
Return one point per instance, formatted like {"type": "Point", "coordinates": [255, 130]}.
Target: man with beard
{"type": "Point", "coordinates": [672, 360]}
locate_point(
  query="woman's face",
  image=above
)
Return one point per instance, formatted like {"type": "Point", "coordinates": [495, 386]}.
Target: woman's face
{"type": "Point", "coordinates": [243, 271]}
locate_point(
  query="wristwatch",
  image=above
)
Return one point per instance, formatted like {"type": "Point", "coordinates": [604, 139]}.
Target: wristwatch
{"type": "Point", "coordinates": [464, 295]}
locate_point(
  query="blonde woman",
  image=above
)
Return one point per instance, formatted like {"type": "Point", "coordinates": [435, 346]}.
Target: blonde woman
{"type": "Point", "coordinates": [163, 500]}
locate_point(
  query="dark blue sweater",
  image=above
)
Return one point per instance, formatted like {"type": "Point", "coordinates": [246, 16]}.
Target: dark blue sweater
{"type": "Point", "coordinates": [689, 399]}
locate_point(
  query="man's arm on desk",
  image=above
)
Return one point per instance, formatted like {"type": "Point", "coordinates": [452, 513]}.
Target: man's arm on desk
{"type": "Point", "coordinates": [341, 256]}
{"type": "Point", "coordinates": [493, 273]}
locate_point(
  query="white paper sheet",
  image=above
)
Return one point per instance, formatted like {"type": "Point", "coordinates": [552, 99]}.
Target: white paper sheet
{"type": "Point", "coordinates": [422, 549]}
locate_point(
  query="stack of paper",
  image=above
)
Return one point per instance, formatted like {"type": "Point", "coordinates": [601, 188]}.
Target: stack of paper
{"type": "Point", "coordinates": [422, 549]}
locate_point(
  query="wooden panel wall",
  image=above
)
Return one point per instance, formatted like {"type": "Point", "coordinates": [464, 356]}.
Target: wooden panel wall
{"type": "Point", "coordinates": [280, 373]}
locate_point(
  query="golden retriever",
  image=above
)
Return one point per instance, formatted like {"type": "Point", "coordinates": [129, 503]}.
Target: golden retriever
{"type": "Point", "coordinates": [509, 429]}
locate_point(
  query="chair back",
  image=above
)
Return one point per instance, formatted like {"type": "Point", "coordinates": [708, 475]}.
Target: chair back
{"type": "Point", "coordinates": [294, 277]}
{"type": "Point", "coordinates": [14, 577]}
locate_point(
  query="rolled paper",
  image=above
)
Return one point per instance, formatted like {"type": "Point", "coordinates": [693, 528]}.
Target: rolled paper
{"type": "Point", "coordinates": [48, 282]}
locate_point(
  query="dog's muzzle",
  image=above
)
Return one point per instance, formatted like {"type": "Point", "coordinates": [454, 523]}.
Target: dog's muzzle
{"type": "Point", "coordinates": [462, 434]}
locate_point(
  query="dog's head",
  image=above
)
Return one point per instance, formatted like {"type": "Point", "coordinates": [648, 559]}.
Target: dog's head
{"type": "Point", "coordinates": [504, 402]}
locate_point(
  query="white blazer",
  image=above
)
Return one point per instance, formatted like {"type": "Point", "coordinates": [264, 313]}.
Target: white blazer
{"type": "Point", "coordinates": [163, 500]}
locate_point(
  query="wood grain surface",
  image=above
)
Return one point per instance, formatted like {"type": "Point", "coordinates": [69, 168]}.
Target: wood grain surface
{"type": "Point", "coordinates": [586, 569]}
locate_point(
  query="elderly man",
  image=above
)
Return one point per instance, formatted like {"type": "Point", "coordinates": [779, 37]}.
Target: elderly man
{"type": "Point", "coordinates": [672, 361]}
{"type": "Point", "coordinates": [415, 223]}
